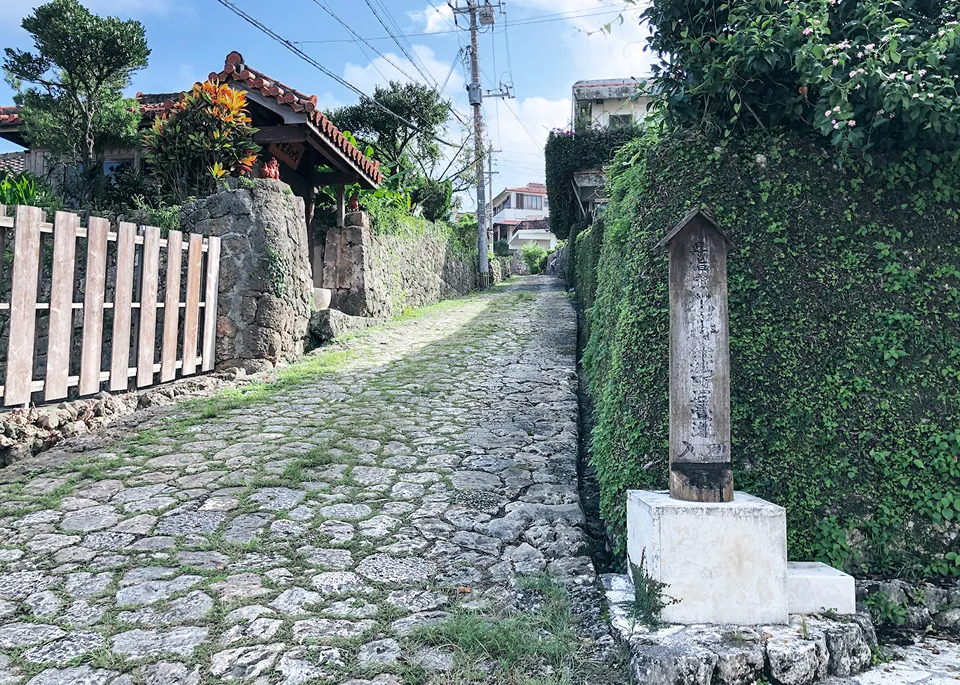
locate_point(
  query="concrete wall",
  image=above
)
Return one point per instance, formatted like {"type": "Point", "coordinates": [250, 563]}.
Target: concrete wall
{"type": "Point", "coordinates": [381, 275]}
{"type": "Point", "coordinates": [266, 288]}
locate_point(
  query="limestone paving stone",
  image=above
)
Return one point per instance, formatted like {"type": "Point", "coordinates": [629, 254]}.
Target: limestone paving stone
{"type": "Point", "coordinates": [446, 461]}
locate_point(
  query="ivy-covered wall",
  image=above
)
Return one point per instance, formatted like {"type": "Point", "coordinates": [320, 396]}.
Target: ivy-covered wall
{"type": "Point", "coordinates": [845, 342]}
{"type": "Point", "coordinates": [568, 152]}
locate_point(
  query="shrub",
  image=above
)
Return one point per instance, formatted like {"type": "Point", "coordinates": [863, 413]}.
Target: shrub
{"type": "Point", "coordinates": [204, 138]}
{"type": "Point", "coordinates": [844, 342]}
{"type": "Point", "coordinates": [868, 74]}
{"type": "Point", "coordinates": [501, 248]}
{"type": "Point", "coordinates": [535, 257]}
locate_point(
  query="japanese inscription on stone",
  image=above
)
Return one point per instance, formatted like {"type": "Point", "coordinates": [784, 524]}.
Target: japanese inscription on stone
{"type": "Point", "coordinates": [699, 362]}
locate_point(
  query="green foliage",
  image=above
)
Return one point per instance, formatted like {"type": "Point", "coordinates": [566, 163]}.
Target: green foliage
{"type": "Point", "coordinates": [867, 75]}
{"type": "Point", "coordinates": [206, 137]}
{"type": "Point", "coordinates": [567, 152]}
{"type": "Point", "coordinates": [25, 189]}
{"type": "Point", "coordinates": [435, 198]}
{"type": "Point", "coordinates": [410, 158]}
{"type": "Point", "coordinates": [585, 258]}
{"type": "Point", "coordinates": [649, 597]}
{"type": "Point", "coordinates": [81, 64]}
{"type": "Point", "coordinates": [515, 644]}
{"type": "Point", "coordinates": [534, 256]}
{"type": "Point", "coordinates": [844, 341]}
{"type": "Point", "coordinates": [884, 611]}
{"type": "Point", "coordinates": [501, 248]}
{"type": "Point", "coordinates": [392, 139]}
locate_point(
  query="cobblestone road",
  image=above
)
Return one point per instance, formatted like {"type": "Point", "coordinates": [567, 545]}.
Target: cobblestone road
{"type": "Point", "coordinates": [316, 534]}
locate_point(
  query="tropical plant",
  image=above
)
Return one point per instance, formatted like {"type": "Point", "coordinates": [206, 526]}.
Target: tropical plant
{"type": "Point", "coordinates": [204, 138]}
{"type": "Point", "coordinates": [80, 67]}
{"type": "Point", "coordinates": [501, 248]}
{"type": "Point", "coordinates": [412, 152]}
{"type": "Point", "coordinates": [24, 188]}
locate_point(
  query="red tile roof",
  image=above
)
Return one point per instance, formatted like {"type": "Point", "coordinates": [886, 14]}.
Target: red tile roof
{"type": "Point", "coordinates": [10, 116]}
{"type": "Point", "coordinates": [234, 69]}
{"type": "Point", "coordinates": [13, 162]}
{"type": "Point", "coordinates": [529, 189]}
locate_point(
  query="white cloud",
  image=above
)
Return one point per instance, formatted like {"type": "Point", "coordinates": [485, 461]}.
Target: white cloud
{"type": "Point", "coordinates": [380, 71]}
{"type": "Point", "coordinates": [16, 10]}
{"type": "Point", "coordinates": [434, 18]}
{"type": "Point", "coordinates": [520, 157]}
{"type": "Point", "coordinates": [617, 54]}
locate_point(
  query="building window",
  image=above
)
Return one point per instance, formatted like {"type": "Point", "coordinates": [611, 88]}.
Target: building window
{"type": "Point", "coordinates": [529, 201]}
{"type": "Point", "coordinates": [620, 121]}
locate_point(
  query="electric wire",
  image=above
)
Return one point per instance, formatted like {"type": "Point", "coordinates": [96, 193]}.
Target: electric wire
{"type": "Point", "coordinates": [520, 22]}
{"type": "Point", "coordinates": [317, 65]}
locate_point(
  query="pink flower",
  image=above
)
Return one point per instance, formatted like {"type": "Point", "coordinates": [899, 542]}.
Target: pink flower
{"type": "Point", "coordinates": [827, 113]}
{"type": "Point", "coordinates": [853, 74]}
{"type": "Point", "coordinates": [870, 46]}
{"type": "Point", "coordinates": [908, 77]}
{"type": "Point", "coordinates": [807, 31]}
{"type": "Point", "coordinates": [835, 61]}
{"type": "Point", "coordinates": [851, 123]}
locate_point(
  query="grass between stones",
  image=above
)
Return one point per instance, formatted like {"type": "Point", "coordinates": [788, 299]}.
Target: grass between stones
{"type": "Point", "coordinates": [494, 646]}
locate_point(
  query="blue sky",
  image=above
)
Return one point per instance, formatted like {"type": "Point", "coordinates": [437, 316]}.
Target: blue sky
{"type": "Point", "coordinates": [546, 47]}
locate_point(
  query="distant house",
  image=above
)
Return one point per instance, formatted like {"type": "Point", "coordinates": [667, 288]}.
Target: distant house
{"type": "Point", "coordinates": [519, 217]}
{"type": "Point", "coordinates": [292, 129]}
{"type": "Point", "coordinates": [614, 103]}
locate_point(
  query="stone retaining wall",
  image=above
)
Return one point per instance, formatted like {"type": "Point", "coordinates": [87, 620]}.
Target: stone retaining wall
{"type": "Point", "coordinates": [923, 606]}
{"type": "Point", "coordinates": [380, 276]}
{"type": "Point", "coordinates": [266, 287]}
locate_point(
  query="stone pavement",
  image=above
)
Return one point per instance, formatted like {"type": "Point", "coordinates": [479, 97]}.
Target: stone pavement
{"type": "Point", "coordinates": [307, 537]}
{"type": "Point", "coordinates": [927, 662]}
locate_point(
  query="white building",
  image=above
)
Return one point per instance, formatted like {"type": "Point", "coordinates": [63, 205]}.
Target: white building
{"type": "Point", "coordinates": [518, 217]}
{"type": "Point", "coordinates": [608, 102]}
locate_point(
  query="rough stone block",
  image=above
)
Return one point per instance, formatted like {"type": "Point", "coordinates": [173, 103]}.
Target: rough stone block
{"type": "Point", "coordinates": [724, 562]}
{"type": "Point", "coordinates": [813, 587]}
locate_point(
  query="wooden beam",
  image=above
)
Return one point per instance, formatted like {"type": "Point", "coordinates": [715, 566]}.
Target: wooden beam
{"type": "Point", "coordinates": [341, 206]}
{"type": "Point", "coordinates": [280, 134]}
{"type": "Point", "coordinates": [335, 178]}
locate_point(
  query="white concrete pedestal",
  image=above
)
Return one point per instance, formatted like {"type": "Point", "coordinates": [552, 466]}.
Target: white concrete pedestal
{"type": "Point", "coordinates": [813, 588]}
{"type": "Point", "coordinates": [726, 562]}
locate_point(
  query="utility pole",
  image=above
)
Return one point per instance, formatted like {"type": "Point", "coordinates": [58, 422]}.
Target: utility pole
{"type": "Point", "coordinates": [485, 13]}
{"type": "Point", "coordinates": [476, 99]}
{"type": "Point", "coordinates": [490, 179]}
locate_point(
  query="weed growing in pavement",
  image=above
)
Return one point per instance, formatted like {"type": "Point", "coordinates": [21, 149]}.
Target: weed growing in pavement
{"type": "Point", "coordinates": [534, 640]}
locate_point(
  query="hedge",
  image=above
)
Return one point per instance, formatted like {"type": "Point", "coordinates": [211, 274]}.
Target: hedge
{"type": "Point", "coordinates": [845, 342]}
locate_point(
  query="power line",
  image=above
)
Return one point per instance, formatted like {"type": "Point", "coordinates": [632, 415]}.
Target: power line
{"type": "Point", "coordinates": [396, 40]}
{"type": "Point", "coordinates": [359, 38]}
{"type": "Point", "coordinates": [314, 63]}
{"type": "Point", "coordinates": [539, 19]}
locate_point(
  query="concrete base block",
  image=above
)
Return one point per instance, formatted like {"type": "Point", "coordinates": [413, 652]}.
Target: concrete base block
{"type": "Point", "coordinates": [726, 562]}
{"type": "Point", "coordinates": [813, 588]}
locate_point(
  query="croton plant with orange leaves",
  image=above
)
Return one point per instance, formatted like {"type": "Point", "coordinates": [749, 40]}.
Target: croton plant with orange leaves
{"type": "Point", "coordinates": [203, 138]}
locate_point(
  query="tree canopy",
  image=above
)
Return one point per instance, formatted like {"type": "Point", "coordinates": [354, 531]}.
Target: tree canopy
{"type": "Point", "coordinates": [415, 165]}
{"type": "Point", "coordinates": [80, 64]}
{"type": "Point", "coordinates": [871, 75]}
{"type": "Point", "coordinates": [391, 139]}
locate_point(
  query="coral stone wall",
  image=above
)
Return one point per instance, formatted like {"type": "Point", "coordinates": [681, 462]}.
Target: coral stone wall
{"type": "Point", "coordinates": [381, 275]}
{"type": "Point", "coordinates": [266, 287]}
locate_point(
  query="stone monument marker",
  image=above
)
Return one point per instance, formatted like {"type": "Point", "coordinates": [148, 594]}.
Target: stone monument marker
{"type": "Point", "coordinates": [724, 558]}
{"type": "Point", "coordinates": [699, 361]}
